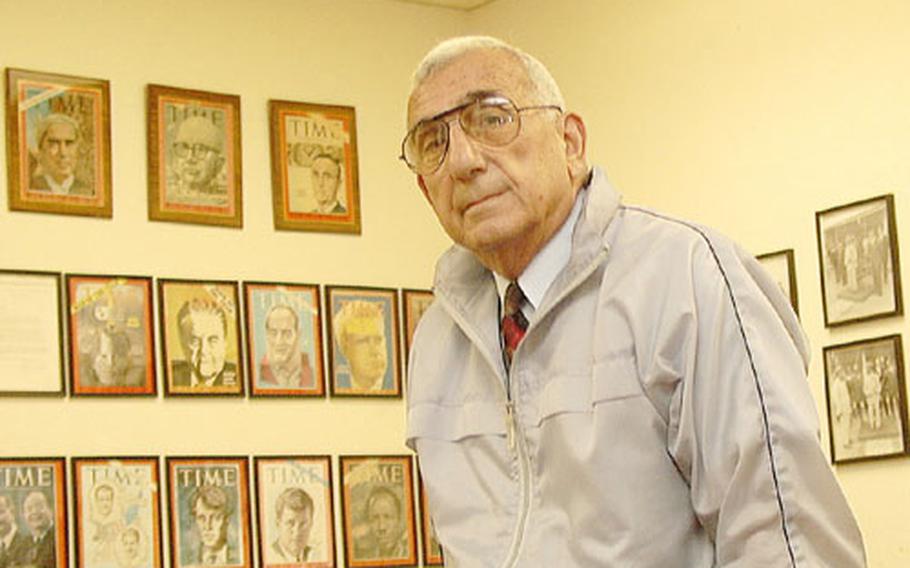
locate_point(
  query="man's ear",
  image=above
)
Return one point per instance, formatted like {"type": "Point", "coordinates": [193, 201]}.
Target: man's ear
{"type": "Point", "coordinates": [575, 137]}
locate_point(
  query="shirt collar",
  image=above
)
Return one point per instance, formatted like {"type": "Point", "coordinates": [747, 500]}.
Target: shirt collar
{"type": "Point", "coordinates": [546, 266]}
{"type": "Point", "coordinates": [60, 188]}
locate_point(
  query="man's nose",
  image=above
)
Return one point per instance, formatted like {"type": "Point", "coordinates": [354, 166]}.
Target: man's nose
{"type": "Point", "coordinates": [464, 156]}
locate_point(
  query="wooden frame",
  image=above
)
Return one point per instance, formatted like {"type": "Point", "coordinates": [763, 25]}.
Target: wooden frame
{"type": "Point", "coordinates": [782, 268]}
{"type": "Point", "coordinates": [117, 512]}
{"type": "Point", "coordinates": [209, 511]}
{"type": "Point", "coordinates": [432, 552]}
{"type": "Point", "coordinates": [415, 303]}
{"type": "Point", "coordinates": [363, 333]}
{"type": "Point", "coordinates": [383, 483]}
{"type": "Point", "coordinates": [31, 312]}
{"type": "Point", "coordinates": [111, 335]}
{"type": "Point", "coordinates": [858, 261]}
{"type": "Point", "coordinates": [314, 167]}
{"type": "Point", "coordinates": [867, 405]}
{"type": "Point", "coordinates": [194, 158]}
{"type": "Point", "coordinates": [39, 485]}
{"type": "Point", "coordinates": [58, 140]}
{"type": "Point", "coordinates": [288, 488]}
{"type": "Point", "coordinates": [284, 339]}
{"type": "Point", "coordinates": [207, 360]}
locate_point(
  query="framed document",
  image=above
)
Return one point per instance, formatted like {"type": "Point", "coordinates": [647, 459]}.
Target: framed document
{"type": "Point", "coordinates": [284, 339]}
{"type": "Point", "coordinates": [33, 496]}
{"type": "Point", "coordinates": [314, 167]}
{"type": "Point", "coordinates": [111, 346]}
{"type": "Point", "coordinates": [378, 509]}
{"type": "Point", "coordinates": [209, 512]}
{"type": "Point", "coordinates": [118, 516]}
{"type": "Point", "coordinates": [194, 157]}
{"type": "Point", "coordinates": [363, 332]}
{"type": "Point", "coordinates": [31, 356]}
{"type": "Point", "coordinates": [58, 137]}
{"type": "Point", "coordinates": [294, 508]}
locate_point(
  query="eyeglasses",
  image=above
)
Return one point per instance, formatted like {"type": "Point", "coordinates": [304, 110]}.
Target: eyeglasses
{"type": "Point", "coordinates": [184, 150]}
{"type": "Point", "coordinates": [492, 121]}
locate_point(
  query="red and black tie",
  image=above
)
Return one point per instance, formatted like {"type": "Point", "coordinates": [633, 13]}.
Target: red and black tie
{"type": "Point", "coordinates": [514, 323]}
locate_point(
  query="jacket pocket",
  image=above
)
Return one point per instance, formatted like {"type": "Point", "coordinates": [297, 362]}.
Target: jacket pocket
{"type": "Point", "coordinates": [613, 378]}
{"type": "Point", "coordinates": [451, 423]}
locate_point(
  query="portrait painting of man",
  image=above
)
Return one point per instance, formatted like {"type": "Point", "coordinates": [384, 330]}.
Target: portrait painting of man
{"type": "Point", "coordinates": [284, 339]}
{"type": "Point", "coordinates": [364, 335]}
{"type": "Point", "coordinates": [201, 337]}
{"type": "Point", "coordinates": [209, 512]}
{"type": "Point", "coordinates": [314, 167]}
{"type": "Point", "coordinates": [117, 512]}
{"type": "Point", "coordinates": [379, 511]}
{"type": "Point", "coordinates": [111, 345]}
{"type": "Point", "coordinates": [195, 162]}
{"type": "Point", "coordinates": [32, 513]}
{"type": "Point", "coordinates": [61, 133]}
{"type": "Point", "coordinates": [295, 511]}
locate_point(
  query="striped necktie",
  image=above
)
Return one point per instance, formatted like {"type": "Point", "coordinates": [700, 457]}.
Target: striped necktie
{"type": "Point", "coordinates": [514, 323]}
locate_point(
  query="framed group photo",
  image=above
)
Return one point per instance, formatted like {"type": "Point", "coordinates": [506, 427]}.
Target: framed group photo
{"type": "Point", "coordinates": [194, 157]}
{"type": "Point", "coordinates": [200, 337]}
{"type": "Point", "coordinates": [58, 137]}
{"type": "Point", "coordinates": [30, 316]}
{"type": "Point", "coordinates": [118, 512]}
{"type": "Point", "coordinates": [209, 512]}
{"type": "Point", "coordinates": [867, 408]}
{"type": "Point", "coordinates": [111, 346]}
{"type": "Point", "coordinates": [33, 501]}
{"type": "Point", "coordinates": [294, 509]}
{"type": "Point", "coordinates": [314, 167]}
{"type": "Point", "coordinates": [782, 268]}
{"type": "Point", "coordinates": [363, 332]}
{"type": "Point", "coordinates": [858, 257]}
{"type": "Point", "coordinates": [284, 339]}
{"type": "Point", "coordinates": [378, 510]}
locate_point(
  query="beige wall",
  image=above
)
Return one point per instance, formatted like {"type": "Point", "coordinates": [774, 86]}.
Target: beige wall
{"type": "Point", "coordinates": [749, 116]}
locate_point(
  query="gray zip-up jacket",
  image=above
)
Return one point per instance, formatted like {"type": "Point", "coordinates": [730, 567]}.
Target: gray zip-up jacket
{"type": "Point", "coordinates": [657, 413]}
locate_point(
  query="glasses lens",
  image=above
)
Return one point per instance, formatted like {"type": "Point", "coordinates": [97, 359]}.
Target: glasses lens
{"type": "Point", "coordinates": [491, 121]}
{"type": "Point", "coordinates": [184, 150]}
{"type": "Point", "coordinates": [426, 145]}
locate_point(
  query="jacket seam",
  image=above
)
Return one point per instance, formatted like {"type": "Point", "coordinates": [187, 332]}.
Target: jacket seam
{"type": "Point", "coordinates": [758, 387]}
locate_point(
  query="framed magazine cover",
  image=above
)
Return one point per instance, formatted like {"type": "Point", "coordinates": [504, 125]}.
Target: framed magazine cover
{"type": "Point", "coordinates": [415, 304]}
{"type": "Point", "coordinates": [377, 501]}
{"type": "Point", "coordinates": [867, 405]}
{"type": "Point", "coordinates": [31, 314]}
{"type": "Point", "coordinates": [111, 335]}
{"type": "Point", "coordinates": [782, 268]}
{"type": "Point", "coordinates": [284, 339]}
{"type": "Point", "coordinates": [209, 512]}
{"type": "Point", "coordinates": [859, 261]}
{"type": "Point", "coordinates": [296, 526]}
{"type": "Point", "coordinates": [117, 512]}
{"type": "Point", "coordinates": [58, 140]}
{"type": "Point", "coordinates": [314, 167]}
{"type": "Point", "coordinates": [33, 497]}
{"type": "Point", "coordinates": [194, 159]}
{"type": "Point", "coordinates": [432, 552]}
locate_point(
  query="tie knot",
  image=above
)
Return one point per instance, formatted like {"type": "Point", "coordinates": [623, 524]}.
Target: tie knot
{"type": "Point", "coordinates": [514, 298]}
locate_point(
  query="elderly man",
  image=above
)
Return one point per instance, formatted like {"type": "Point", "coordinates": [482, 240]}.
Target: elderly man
{"type": "Point", "coordinates": [326, 179]}
{"type": "Point", "coordinates": [41, 551]}
{"type": "Point", "coordinates": [597, 384]}
{"type": "Point", "coordinates": [203, 331]}
{"type": "Point", "coordinates": [284, 365]}
{"type": "Point", "coordinates": [13, 544]}
{"type": "Point", "coordinates": [293, 521]}
{"type": "Point", "coordinates": [359, 329]}
{"type": "Point", "coordinates": [385, 538]}
{"type": "Point", "coordinates": [197, 158]}
{"type": "Point", "coordinates": [57, 152]}
{"type": "Point", "coordinates": [211, 514]}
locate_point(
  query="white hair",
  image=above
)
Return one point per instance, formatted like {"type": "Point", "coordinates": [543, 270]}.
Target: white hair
{"type": "Point", "coordinates": [446, 51]}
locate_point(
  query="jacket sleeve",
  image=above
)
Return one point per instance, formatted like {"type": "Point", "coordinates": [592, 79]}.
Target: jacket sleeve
{"type": "Point", "coordinates": [743, 429]}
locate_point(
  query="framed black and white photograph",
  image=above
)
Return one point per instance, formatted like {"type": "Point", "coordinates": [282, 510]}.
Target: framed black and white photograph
{"type": "Point", "coordinates": [782, 268]}
{"type": "Point", "coordinates": [858, 258]}
{"type": "Point", "coordinates": [867, 409]}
